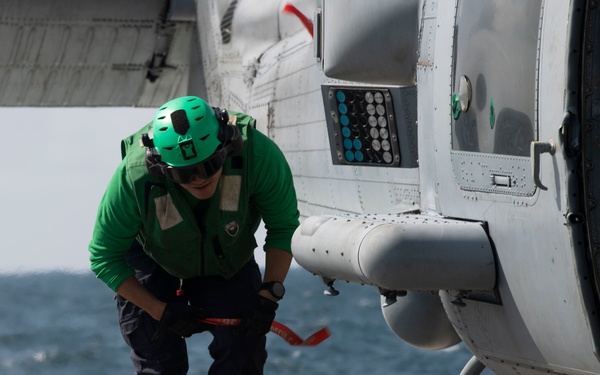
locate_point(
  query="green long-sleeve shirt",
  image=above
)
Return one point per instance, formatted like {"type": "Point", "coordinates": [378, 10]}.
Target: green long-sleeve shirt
{"type": "Point", "coordinates": [119, 221]}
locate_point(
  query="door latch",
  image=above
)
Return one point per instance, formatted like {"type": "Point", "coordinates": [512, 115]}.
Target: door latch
{"type": "Point", "coordinates": [538, 148]}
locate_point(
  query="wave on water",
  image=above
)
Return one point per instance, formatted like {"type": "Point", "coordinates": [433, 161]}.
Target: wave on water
{"type": "Point", "coordinates": [65, 323]}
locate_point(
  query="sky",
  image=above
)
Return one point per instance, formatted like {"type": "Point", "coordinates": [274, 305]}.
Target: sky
{"type": "Point", "coordinates": [55, 165]}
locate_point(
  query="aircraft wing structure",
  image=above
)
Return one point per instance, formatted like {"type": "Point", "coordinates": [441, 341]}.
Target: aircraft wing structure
{"type": "Point", "coordinates": [96, 53]}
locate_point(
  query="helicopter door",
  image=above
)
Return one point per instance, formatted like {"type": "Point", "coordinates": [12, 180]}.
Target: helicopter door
{"type": "Point", "coordinates": [493, 117]}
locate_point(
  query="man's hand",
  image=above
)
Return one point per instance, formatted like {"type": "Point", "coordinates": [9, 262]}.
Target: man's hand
{"type": "Point", "coordinates": [259, 322]}
{"type": "Point", "coordinates": [182, 320]}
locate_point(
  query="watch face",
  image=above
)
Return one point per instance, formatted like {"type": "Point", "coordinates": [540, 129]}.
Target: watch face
{"type": "Point", "coordinates": [278, 290]}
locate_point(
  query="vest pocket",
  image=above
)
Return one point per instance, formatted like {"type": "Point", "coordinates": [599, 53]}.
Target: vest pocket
{"type": "Point", "coordinates": [172, 239]}
{"type": "Point", "coordinates": [181, 260]}
{"type": "Point", "coordinates": [233, 245]}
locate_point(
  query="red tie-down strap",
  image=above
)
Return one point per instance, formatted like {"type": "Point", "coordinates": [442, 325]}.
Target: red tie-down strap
{"type": "Point", "coordinates": [280, 329]}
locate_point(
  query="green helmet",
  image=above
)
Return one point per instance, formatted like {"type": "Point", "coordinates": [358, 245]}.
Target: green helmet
{"type": "Point", "coordinates": [185, 131]}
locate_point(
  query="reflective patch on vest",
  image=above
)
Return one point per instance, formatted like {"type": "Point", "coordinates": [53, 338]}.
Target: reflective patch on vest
{"type": "Point", "coordinates": [232, 228]}
{"type": "Point", "coordinates": [166, 212]}
{"type": "Point", "coordinates": [230, 193]}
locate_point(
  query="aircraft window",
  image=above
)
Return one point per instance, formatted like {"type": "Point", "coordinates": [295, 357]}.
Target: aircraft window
{"type": "Point", "coordinates": [494, 95]}
{"type": "Point", "coordinates": [495, 76]}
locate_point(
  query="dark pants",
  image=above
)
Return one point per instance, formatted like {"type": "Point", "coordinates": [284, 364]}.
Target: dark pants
{"type": "Point", "coordinates": [220, 297]}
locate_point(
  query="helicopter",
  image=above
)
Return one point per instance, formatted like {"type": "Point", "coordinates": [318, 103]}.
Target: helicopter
{"type": "Point", "coordinates": [444, 152]}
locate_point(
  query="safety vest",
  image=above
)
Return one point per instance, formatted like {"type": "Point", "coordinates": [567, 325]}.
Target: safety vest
{"type": "Point", "coordinates": [217, 241]}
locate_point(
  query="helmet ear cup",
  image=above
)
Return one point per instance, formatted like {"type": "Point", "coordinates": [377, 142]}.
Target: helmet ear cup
{"type": "Point", "coordinates": [229, 135]}
{"type": "Point", "coordinates": [153, 162]}
{"type": "Point", "coordinates": [223, 119]}
{"type": "Point", "coordinates": [234, 142]}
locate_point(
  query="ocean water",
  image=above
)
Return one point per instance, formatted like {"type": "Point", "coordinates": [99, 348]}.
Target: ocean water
{"type": "Point", "coordinates": [65, 323]}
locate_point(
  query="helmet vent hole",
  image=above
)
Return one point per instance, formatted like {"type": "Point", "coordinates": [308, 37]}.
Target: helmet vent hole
{"type": "Point", "coordinates": [163, 129]}
{"type": "Point", "coordinates": [169, 148]}
{"type": "Point", "coordinates": [199, 118]}
{"type": "Point", "coordinates": [162, 117]}
{"type": "Point", "coordinates": [196, 107]}
{"type": "Point", "coordinates": [203, 138]}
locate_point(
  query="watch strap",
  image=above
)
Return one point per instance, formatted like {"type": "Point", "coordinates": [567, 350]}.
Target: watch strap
{"type": "Point", "coordinates": [275, 288]}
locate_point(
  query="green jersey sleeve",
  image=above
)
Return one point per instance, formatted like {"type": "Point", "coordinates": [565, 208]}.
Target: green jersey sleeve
{"type": "Point", "coordinates": [274, 193]}
{"type": "Point", "coordinates": [117, 224]}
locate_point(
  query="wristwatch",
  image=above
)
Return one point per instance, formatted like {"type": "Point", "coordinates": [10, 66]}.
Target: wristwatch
{"type": "Point", "coordinates": [276, 289]}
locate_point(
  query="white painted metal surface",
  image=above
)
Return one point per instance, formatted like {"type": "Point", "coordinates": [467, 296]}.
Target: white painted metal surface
{"type": "Point", "coordinates": [540, 313]}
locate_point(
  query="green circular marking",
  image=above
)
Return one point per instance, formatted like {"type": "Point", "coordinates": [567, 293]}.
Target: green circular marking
{"type": "Point", "coordinates": [455, 103]}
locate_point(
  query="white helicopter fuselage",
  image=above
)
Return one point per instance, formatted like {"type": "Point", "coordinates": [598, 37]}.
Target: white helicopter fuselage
{"type": "Point", "coordinates": [443, 152]}
{"type": "Point", "coordinates": [530, 307]}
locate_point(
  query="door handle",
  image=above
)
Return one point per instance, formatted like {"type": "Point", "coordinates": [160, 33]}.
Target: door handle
{"type": "Point", "coordinates": [538, 148]}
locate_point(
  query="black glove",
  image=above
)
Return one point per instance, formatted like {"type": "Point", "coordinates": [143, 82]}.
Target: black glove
{"type": "Point", "coordinates": [259, 322]}
{"type": "Point", "coordinates": [182, 320]}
